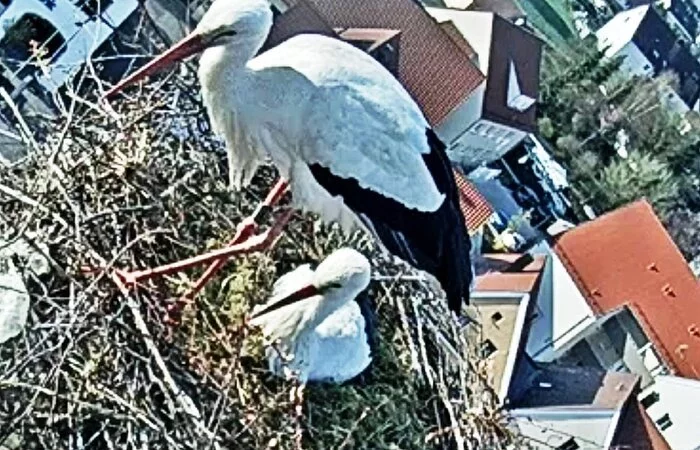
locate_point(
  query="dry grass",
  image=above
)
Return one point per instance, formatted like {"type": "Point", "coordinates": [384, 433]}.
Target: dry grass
{"type": "Point", "coordinates": [142, 185]}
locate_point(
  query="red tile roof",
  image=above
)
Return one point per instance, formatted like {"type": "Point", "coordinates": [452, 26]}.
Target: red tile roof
{"type": "Point", "coordinates": [434, 70]}
{"type": "Point", "coordinates": [475, 208]}
{"type": "Point", "coordinates": [626, 257]}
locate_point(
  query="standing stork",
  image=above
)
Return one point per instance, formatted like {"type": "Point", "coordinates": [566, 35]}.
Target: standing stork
{"type": "Point", "coordinates": [354, 146]}
{"type": "Point", "coordinates": [318, 329]}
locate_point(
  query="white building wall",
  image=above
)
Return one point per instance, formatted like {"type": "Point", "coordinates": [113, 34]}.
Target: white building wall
{"type": "Point", "coordinates": [635, 63]}
{"type": "Point", "coordinates": [462, 117]}
{"type": "Point", "coordinates": [475, 26]}
{"type": "Point", "coordinates": [563, 314]}
{"type": "Point", "coordinates": [82, 36]}
{"type": "Point", "coordinates": [680, 399]}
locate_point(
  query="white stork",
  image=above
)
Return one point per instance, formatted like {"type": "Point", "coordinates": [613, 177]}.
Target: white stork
{"type": "Point", "coordinates": [354, 146]}
{"type": "Point", "coordinates": [319, 331]}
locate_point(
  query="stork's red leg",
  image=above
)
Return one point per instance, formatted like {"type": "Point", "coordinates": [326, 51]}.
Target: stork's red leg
{"type": "Point", "coordinates": [258, 242]}
{"type": "Point", "coordinates": [245, 230]}
{"type": "Point", "coordinates": [244, 241]}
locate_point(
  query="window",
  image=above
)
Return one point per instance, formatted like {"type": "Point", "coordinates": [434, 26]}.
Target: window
{"type": "Point", "coordinates": [664, 422]}
{"type": "Point", "coordinates": [650, 399]}
{"type": "Point", "coordinates": [487, 349]}
{"type": "Point", "coordinates": [496, 317]}
{"type": "Point", "coordinates": [569, 445]}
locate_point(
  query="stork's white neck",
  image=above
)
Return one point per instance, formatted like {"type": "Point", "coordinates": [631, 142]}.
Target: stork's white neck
{"type": "Point", "coordinates": [224, 78]}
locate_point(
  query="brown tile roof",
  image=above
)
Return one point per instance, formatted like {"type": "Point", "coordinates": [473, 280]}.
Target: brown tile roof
{"type": "Point", "coordinates": [497, 280]}
{"type": "Point", "coordinates": [299, 18]}
{"type": "Point", "coordinates": [626, 257]}
{"type": "Point", "coordinates": [475, 208]}
{"type": "Point", "coordinates": [453, 32]}
{"type": "Point", "coordinates": [637, 431]}
{"type": "Point", "coordinates": [436, 72]}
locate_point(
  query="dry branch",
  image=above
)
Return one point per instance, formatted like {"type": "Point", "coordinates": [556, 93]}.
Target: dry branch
{"type": "Point", "coordinates": [142, 182]}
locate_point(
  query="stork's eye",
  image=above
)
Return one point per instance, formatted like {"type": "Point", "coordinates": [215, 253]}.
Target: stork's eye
{"type": "Point", "coordinates": [223, 33]}
{"type": "Point", "coordinates": [332, 284]}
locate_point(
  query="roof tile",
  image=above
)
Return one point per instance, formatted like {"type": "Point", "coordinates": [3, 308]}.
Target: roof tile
{"type": "Point", "coordinates": [434, 70]}
{"type": "Point", "coordinates": [475, 208]}
{"type": "Point", "coordinates": [626, 257]}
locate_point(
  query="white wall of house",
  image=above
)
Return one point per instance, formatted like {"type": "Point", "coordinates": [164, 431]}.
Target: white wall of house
{"type": "Point", "coordinates": [615, 38]}
{"type": "Point", "coordinates": [82, 36]}
{"type": "Point", "coordinates": [635, 63]}
{"type": "Point", "coordinates": [679, 398]}
{"type": "Point", "coordinates": [563, 314]}
{"type": "Point", "coordinates": [549, 428]}
{"type": "Point", "coordinates": [462, 117]}
{"type": "Point", "coordinates": [475, 26]}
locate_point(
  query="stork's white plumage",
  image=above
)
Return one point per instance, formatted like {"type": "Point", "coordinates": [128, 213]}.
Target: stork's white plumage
{"type": "Point", "coordinates": [316, 324]}
{"type": "Point", "coordinates": [354, 145]}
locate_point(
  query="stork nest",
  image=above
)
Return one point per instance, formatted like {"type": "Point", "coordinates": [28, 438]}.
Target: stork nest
{"type": "Point", "coordinates": [140, 183]}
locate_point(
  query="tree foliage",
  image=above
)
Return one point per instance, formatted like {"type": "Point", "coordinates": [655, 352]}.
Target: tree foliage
{"type": "Point", "coordinates": [596, 115]}
{"type": "Point", "coordinates": [641, 175]}
{"type": "Point", "coordinates": [684, 227]}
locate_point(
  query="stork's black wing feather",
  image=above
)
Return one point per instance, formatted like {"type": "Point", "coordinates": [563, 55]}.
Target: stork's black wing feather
{"type": "Point", "coordinates": [436, 242]}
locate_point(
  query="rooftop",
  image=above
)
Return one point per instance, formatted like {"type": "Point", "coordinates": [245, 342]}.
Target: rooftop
{"type": "Point", "coordinates": [510, 58]}
{"type": "Point", "coordinates": [508, 9]}
{"type": "Point", "coordinates": [626, 258]}
{"type": "Point", "coordinates": [499, 273]}
{"type": "Point", "coordinates": [554, 385]}
{"type": "Point", "coordinates": [475, 208]}
{"type": "Point", "coordinates": [432, 67]}
{"type": "Point", "coordinates": [659, 44]}
{"type": "Point", "coordinates": [637, 430]}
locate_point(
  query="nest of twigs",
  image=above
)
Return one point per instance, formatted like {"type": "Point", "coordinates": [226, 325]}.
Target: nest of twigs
{"type": "Point", "coordinates": [142, 182]}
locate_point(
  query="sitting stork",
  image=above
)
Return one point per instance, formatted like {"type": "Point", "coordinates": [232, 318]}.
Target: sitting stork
{"type": "Point", "coordinates": [316, 329]}
{"type": "Point", "coordinates": [353, 144]}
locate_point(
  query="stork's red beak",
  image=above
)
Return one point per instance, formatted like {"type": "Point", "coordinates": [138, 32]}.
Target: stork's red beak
{"type": "Point", "coordinates": [188, 46]}
{"type": "Point", "coordinates": [303, 293]}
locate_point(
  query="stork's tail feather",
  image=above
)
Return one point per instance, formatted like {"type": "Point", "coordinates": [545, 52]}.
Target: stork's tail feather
{"type": "Point", "coordinates": [436, 242]}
